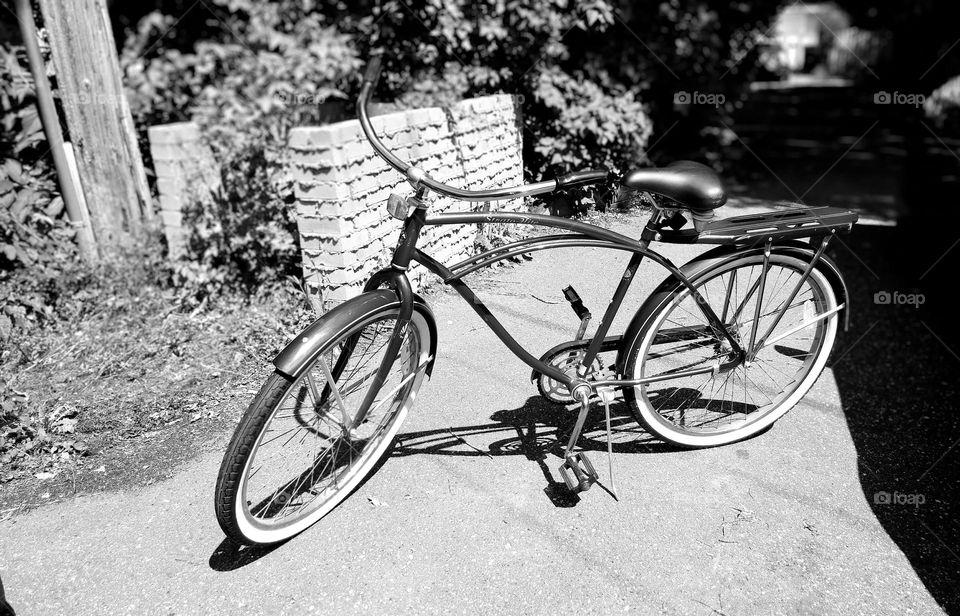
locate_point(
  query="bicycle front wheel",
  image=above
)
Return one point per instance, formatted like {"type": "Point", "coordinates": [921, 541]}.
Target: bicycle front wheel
{"type": "Point", "coordinates": [716, 408]}
{"type": "Point", "coordinates": [302, 446]}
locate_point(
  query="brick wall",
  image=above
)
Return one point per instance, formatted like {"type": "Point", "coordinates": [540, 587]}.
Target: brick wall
{"type": "Point", "coordinates": [185, 171]}
{"type": "Point", "coordinates": [342, 186]}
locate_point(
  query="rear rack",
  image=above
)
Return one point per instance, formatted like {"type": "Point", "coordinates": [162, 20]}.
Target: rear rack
{"type": "Point", "coordinates": [755, 228]}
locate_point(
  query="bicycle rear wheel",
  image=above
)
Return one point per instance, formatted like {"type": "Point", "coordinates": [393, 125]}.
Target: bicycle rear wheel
{"type": "Point", "coordinates": [301, 448]}
{"type": "Point", "coordinates": [716, 408]}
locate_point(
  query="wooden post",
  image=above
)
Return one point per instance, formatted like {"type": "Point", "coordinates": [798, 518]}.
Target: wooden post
{"type": "Point", "coordinates": [98, 118]}
{"type": "Point", "coordinates": [69, 188]}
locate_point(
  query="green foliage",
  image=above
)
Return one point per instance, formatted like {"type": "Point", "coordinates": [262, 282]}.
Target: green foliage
{"type": "Point", "coordinates": [463, 49]}
{"type": "Point", "coordinates": [243, 235]}
{"type": "Point", "coordinates": [583, 124]}
{"type": "Point", "coordinates": [650, 49]}
{"type": "Point", "coordinates": [943, 105]}
{"type": "Point", "coordinates": [270, 68]}
{"type": "Point", "coordinates": [661, 48]}
{"type": "Point", "coordinates": [267, 70]}
{"type": "Point", "coordinates": [859, 54]}
{"type": "Point", "coordinates": [35, 238]}
{"type": "Point", "coordinates": [123, 356]}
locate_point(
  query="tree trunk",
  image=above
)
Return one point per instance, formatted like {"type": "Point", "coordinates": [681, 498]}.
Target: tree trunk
{"type": "Point", "coordinates": [98, 118]}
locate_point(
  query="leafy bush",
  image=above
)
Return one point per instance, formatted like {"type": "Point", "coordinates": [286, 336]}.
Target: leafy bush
{"type": "Point", "coordinates": [649, 48]}
{"type": "Point", "coordinates": [276, 61]}
{"type": "Point", "coordinates": [35, 238]}
{"type": "Point", "coordinates": [268, 69]}
{"type": "Point", "coordinates": [943, 105]}
{"type": "Point", "coordinates": [32, 231]}
{"type": "Point", "coordinates": [660, 48]}
{"type": "Point", "coordinates": [572, 120]}
{"type": "Point", "coordinates": [585, 125]}
{"type": "Point", "coordinates": [243, 235]}
{"type": "Point", "coordinates": [859, 54]}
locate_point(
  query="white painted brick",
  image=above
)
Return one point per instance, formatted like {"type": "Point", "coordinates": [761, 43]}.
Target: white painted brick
{"type": "Point", "coordinates": [321, 191]}
{"type": "Point", "coordinates": [312, 138]}
{"type": "Point", "coordinates": [347, 234]}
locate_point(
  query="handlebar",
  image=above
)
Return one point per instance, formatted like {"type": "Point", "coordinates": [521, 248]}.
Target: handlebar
{"type": "Point", "coordinates": [372, 75]}
{"type": "Point", "coordinates": [419, 178]}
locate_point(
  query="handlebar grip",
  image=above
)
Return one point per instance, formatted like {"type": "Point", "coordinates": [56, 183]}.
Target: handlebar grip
{"type": "Point", "coordinates": [580, 178]}
{"type": "Point", "coordinates": [372, 74]}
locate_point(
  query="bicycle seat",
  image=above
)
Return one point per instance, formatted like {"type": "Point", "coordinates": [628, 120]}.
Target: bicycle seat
{"type": "Point", "coordinates": [693, 185]}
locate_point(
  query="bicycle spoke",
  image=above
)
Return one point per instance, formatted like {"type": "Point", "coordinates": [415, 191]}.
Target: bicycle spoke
{"type": "Point", "coordinates": [306, 454]}
{"type": "Point", "coordinates": [748, 298]}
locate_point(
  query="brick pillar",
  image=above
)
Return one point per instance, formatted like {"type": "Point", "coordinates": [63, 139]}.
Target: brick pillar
{"type": "Point", "coordinates": [186, 170]}
{"type": "Point", "coordinates": [341, 187]}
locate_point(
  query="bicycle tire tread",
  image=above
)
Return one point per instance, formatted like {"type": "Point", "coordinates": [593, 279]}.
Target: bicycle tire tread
{"type": "Point", "coordinates": [239, 450]}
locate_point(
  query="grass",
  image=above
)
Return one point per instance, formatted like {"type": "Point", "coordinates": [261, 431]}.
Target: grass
{"type": "Point", "coordinates": [122, 359]}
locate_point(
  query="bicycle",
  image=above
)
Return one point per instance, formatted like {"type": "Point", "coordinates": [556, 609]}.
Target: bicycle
{"type": "Point", "coordinates": [720, 350]}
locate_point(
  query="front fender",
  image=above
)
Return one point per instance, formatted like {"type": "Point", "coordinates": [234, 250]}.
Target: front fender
{"type": "Point", "coordinates": [717, 256]}
{"type": "Point", "coordinates": [303, 350]}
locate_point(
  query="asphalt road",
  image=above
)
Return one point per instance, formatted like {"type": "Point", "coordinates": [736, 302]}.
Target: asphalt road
{"type": "Point", "coordinates": [467, 517]}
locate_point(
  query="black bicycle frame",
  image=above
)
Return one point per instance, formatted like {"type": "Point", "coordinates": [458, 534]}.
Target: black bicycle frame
{"type": "Point", "coordinates": [583, 235]}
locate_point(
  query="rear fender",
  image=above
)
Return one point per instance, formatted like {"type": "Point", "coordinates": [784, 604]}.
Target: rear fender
{"type": "Point", "coordinates": [696, 267]}
{"type": "Point", "coordinates": [304, 349]}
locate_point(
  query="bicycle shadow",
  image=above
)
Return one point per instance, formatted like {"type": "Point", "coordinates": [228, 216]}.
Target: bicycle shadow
{"type": "Point", "coordinates": [230, 555]}
{"type": "Point", "coordinates": [537, 430]}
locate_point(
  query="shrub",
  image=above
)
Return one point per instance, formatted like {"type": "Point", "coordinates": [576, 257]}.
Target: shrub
{"type": "Point", "coordinates": [943, 105]}
{"type": "Point", "coordinates": [243, 235]}
{"type": "Point", "coordinates": [35, 237]}
{"type": "Point", "coordinates": [32, 229]}
{"type": "Point", "coordinates": [584, 124]}
{"type": "Point", "coordinates": [572, 120]}
{"type": "Point", "coordinates": [858, 54]}
{"type": "Point", "coordinates": [267, 70]}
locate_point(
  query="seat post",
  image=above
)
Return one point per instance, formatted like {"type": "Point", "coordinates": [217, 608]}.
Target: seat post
{"type": "Point", "coordinates": [650, 230]}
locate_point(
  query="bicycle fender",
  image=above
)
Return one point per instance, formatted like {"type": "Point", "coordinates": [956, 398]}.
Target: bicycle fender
{"type": "Point", "coordinates": [718, 256]}
{"type": "Point", "coordinates": [304, 349]}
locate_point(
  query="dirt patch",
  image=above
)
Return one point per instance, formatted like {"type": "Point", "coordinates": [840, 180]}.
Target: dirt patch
{"type": "Point", "coordinates": [119, 392]}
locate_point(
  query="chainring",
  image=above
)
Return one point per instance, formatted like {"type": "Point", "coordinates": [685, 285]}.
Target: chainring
{"type": "Point", "coordinates": [566, 361]}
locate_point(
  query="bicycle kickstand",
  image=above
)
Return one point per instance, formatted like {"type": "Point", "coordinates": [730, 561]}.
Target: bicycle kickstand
{"type": "Point", "coordinates": [577, 471]}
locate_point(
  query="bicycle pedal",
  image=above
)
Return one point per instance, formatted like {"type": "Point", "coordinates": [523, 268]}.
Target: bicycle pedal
{"type": "Point", "coordinates": [578, 472]}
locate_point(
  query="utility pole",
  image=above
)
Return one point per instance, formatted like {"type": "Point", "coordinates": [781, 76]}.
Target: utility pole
{"type": "Point", "coordinates": [97, 117]}
{"type": "Point", "coordinates": [69, 189]}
